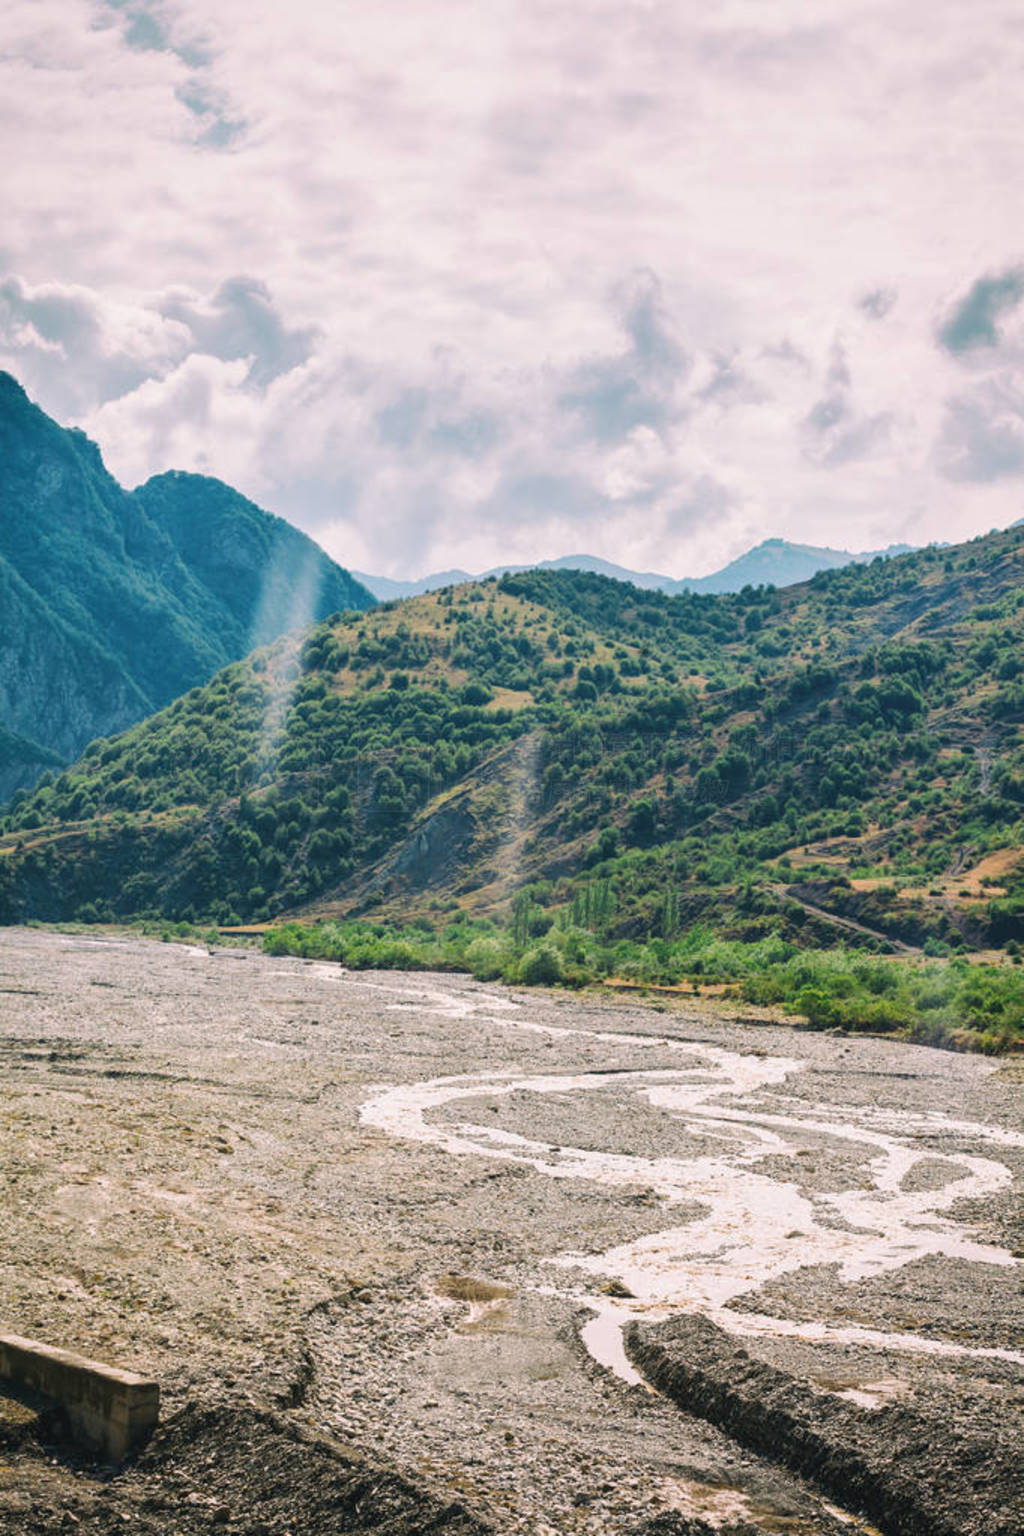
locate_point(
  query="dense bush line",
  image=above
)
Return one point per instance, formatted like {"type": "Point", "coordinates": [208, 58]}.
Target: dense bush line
{"type": "Point", "coordinates": [954, 1004]}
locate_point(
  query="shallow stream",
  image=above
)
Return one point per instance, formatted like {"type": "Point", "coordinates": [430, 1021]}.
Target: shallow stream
{"type": "Point", "coordinates": [755, 1224]}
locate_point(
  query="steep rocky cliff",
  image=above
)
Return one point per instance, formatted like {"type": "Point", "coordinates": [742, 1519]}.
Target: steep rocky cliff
{"type": "Point", "coordinates": [113, 603]}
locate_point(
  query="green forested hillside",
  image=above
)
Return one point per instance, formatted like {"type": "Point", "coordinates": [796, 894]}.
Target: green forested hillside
{"type": "Point", "coordinates": [840, 761]}
{"type": "Point", "coordinates": [113, 603]}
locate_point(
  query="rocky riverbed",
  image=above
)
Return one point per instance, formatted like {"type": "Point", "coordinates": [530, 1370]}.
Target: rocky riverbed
{"type": "Point", "coordinates": [395, 1226]}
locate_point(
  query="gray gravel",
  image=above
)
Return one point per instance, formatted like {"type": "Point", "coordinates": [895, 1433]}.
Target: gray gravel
{"type": "Point", "coordinates": [188, 1188]}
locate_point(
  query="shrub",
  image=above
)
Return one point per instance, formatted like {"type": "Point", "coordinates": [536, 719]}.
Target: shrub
{"type": "Point", "coordinates": [541, 966]}
{"type": "Point", "coordinates": [485, 957]}
{"type": "Point", "coordinates": [817, 1007]}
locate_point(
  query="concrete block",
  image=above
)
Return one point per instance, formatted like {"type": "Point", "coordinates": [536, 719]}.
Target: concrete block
{"type": "Point", "coordinates": [108, 1410]}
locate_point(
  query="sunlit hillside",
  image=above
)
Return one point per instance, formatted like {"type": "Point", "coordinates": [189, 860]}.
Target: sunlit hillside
{"type": "Point", "coordinates": [841, 759]}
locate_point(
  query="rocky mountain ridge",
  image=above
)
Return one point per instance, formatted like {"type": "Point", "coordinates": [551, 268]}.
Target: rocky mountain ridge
{"type": "Point", "coordinates": [772, 563]}
{"type": "Point", "coordinates": [114, 602]}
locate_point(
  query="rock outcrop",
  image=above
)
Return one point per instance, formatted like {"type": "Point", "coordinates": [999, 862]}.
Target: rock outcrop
{"type": "Point", "coordinates": [114, 603]}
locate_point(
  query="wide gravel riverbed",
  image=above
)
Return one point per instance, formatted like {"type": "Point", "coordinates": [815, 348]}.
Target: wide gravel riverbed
{"type": "Point", "coordinates": [415, 1213]}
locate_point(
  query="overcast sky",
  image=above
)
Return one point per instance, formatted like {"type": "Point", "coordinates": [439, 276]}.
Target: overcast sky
{"type": "Point", "coordinates": [448, 282]}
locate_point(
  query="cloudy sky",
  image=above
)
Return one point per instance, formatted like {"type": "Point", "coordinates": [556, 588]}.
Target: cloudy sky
{"type": "Point", "coordinates": [456, 282]}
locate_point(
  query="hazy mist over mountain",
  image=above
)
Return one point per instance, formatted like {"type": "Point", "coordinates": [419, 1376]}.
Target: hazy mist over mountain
{"type": "Point", "coordinates": [113, 603]}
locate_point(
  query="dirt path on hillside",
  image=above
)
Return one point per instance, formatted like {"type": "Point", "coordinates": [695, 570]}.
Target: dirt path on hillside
{"type": "Point", "coordinates": [848, 923]}
{"type": "Point", "coordinates": [414, 1215]}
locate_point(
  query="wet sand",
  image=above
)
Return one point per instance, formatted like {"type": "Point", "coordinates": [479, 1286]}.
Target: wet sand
{"type": "Point", "coordinates": [414, 1213]}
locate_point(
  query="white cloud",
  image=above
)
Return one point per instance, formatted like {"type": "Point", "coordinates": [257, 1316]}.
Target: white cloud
{"type": "Point", "coordinates": [451, 284]}
{"type": "Point", "coordinates": [75, 349]}
{"type": "Point", "coordinates": [240, 321]}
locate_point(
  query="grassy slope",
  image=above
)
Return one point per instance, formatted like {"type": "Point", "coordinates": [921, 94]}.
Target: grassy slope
{"type": "Point", "coordinates": [835, 762]}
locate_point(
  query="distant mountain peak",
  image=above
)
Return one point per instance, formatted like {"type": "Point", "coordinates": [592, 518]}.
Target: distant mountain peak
{"type": "Point", "coordinates": [774, 562]}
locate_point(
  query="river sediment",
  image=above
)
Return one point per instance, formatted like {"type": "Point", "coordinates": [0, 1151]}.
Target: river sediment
{"type": "Point", "coordinates": [388, 1213]}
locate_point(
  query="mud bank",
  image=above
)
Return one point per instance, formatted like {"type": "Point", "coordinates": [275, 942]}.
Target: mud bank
{"type": "Point", "coordinates": [912, 1473]}
{"type": "Point", "coordinates": [237, 1470]}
